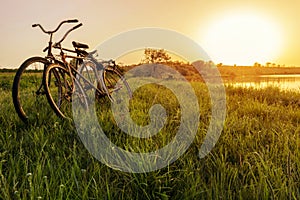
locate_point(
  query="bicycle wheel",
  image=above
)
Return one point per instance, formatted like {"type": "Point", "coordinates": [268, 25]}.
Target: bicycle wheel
{"type": "Point", "coordinates": [60, 90]}
{"type": "Point", "coordinates": [28, 93]}
{"type": "Point", "coordinates": [113, 83]}
{"type": "Point", "coordinates": [89, 76]}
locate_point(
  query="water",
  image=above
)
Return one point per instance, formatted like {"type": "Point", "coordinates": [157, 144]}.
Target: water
{"type": "Point", "coordinates": [284, 82]}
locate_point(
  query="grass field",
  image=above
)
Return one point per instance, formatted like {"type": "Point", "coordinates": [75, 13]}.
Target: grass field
{"type": "Point", "coordinates": [256, 157]}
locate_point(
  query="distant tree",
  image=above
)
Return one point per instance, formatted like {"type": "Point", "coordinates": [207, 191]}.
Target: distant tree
{"type": "Point", "coordinates": [156, 56]}
{"type": "Point", "coordinates": [256, 64]}
{"type": "Point", "coordinates": [211, 63]}
{"type": "Point", "coordinates": [220, 65]}
{"type": "Point", "coordinates": [268, 64]}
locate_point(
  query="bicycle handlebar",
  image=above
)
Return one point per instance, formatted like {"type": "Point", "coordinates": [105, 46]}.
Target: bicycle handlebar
{"type": "Point", "coordinates": [57, 44]}
{"type": "Point", "coordinates": [61, 23]}
{"type": "Point", "coordinates": [64, 37]}
{"type": "Point", "coordinates": [77, 26]}
{"type": "Point", "coordinates": [72, 20]}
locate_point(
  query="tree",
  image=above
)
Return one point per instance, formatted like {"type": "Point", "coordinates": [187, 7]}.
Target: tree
{"type": "Point", "coordinates": [256, 64]}
{"type": "Point", "coordinates": [220, 65]}
{"type": "Point", "coordinates": [155, 56]}
{"type": "Point", "coordinates": [268, 64]}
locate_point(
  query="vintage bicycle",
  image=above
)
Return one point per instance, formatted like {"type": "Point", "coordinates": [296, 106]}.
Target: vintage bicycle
{"type": "Point", "coordinates": [55, 80]}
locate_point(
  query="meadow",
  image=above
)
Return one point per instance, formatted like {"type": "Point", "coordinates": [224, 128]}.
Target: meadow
{"type": "Point", "coordinates": [256, 157]}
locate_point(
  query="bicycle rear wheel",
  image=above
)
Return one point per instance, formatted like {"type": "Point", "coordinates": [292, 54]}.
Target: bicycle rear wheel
{"type": "Point", "coordinates": [28, 93]}
{"type": "Point", "coordinates": [89, 76]}
{"type": "Point", "coordinates": [60, 90]}
{"type": "Point", "coordinates": [115, 84]}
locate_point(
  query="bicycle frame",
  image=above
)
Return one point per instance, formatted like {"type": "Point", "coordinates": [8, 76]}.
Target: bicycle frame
{"type": "Point", "coordinates": [73, 70]}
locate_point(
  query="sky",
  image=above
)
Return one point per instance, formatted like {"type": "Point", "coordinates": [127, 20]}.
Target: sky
{"type": "Point", "coordinates": [230, 31]}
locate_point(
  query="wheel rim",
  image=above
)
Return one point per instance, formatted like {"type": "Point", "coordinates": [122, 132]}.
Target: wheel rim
{"type": "Point", "coordinates": [28, 93]}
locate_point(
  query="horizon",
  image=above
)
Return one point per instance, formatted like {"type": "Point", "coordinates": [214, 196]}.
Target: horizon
{"type": "Point", "coordinates": [231, 32]}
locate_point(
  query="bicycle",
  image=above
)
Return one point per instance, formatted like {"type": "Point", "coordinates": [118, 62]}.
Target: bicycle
{"type": "Point", "coordinates": [61, 80]}
{"type": "Point", "coordinates": [28, 92]}
{"type": "Point", "coordinates": [87, 76]}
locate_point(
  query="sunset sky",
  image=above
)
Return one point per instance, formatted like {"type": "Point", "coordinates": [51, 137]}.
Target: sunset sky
{"type": "Point", "coordinates": [230, 31]}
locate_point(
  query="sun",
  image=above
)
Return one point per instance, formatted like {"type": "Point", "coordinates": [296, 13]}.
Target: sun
{"type": "Point", "coordinates": [243, 39]}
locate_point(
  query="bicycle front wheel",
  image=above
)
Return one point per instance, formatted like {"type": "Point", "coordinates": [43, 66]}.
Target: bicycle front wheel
{"type": "Point", "coordinates": [28, 93]}
{"type": "Point", "coordinates": [60, 90]}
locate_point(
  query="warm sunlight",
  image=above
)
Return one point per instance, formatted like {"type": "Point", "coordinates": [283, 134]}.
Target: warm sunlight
{"type": "Point", "coordinates": [243, 39]}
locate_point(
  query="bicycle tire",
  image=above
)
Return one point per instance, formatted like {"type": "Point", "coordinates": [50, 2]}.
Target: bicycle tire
{"type": "Point", "coordinates": [27, 91]}
{"type": "Point", "coordinates": [91, 73]}
{"type": "Point", "coordinates": [114, 82]}
{"type": "Point", "coordinates": [59, 90]}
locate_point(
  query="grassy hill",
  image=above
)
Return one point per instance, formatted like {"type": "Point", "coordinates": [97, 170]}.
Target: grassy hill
{"type": "Point", "coordinates": [191, 73]}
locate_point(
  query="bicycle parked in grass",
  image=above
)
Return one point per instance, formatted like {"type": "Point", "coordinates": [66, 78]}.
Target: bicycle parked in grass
{"type": "Point", "coordinates": [55, 80]}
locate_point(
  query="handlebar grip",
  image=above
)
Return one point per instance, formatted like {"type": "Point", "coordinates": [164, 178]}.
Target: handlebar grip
{"type": "Point", "coordinates": [77, 26]}
{"type": "Point", "coordinates": [45, 49]}
{"type": "Point", "coordinates": [34, 25]}
{"type": "Point", "coordinates": [72, 21]}
{"type": "Point", "coordinates": [93, 52]}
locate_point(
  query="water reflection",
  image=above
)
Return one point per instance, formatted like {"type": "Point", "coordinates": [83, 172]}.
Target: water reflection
{"type": "Point", "coordinates": [284, 82]}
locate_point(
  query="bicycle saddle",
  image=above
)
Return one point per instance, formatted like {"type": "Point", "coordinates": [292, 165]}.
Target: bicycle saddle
{"type": "Point", "coordinates": [80, 45]}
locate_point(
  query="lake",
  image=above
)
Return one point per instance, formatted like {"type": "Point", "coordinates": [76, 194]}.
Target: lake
{"type": "Point", "coordinates": [284, 82]}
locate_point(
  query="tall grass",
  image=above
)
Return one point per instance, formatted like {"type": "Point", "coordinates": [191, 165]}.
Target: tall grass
{"type": "Point", "coordinates": [256, 157]}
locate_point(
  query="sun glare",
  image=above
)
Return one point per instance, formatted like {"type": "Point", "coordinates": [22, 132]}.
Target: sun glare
{"type": "Point", "coordinates": [243, 39]}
